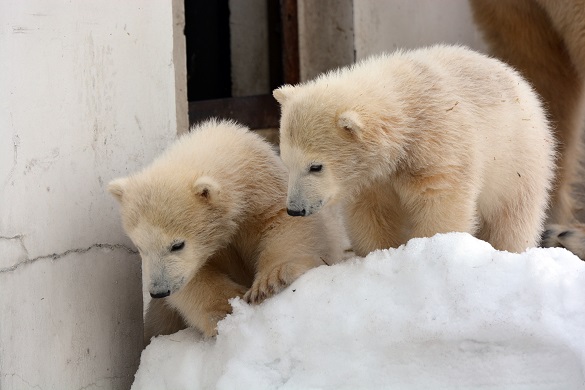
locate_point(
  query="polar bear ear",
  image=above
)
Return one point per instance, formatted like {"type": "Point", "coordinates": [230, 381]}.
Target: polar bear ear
{"type": "Point", "coordinates": [116, 188]}
{"type": "Point", "coordinates": [283, 93]}
{"type": "Point", "coordinates": [206, 188]}
{"type": "Point", "coordinates": [350, 121]}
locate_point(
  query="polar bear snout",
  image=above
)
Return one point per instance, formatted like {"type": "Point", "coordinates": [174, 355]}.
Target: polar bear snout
{"type": "Point", "coordinates": [296, 213]}
{"type": "Point", "coordinates": [160, 294]}
{"type": "Point", "coordinates": [294, 210]}
{"type": "Point", "coordinates": [160, 289]}
{"type": "Point", "coordinates": [296, 205]}
{"type": "Point", "coordinates": [307, 193]}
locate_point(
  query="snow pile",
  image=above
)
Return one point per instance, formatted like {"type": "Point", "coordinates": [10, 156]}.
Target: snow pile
{"type": "Point", "coordinates": [447, 312]}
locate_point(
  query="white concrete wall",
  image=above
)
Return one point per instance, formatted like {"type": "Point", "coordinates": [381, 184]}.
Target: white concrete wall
{"type": "Point", "coordinates": [385, 25]}
{"type": "Point", "coordinates": [87, 93]}
{"type": "Point", "coordinates": [326, 35]}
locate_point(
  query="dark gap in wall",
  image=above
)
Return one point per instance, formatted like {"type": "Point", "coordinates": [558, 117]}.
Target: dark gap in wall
{"type": "Point", "coordinates": [207, 35]}
{"type": "Point", "coordinates": [275, 57]}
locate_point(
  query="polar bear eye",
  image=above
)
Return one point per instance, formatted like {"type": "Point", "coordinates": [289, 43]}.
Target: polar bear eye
{"type": "Point", "coordinates": [177, 246]}
{"type": "Point", "coordinates": [315, 168]}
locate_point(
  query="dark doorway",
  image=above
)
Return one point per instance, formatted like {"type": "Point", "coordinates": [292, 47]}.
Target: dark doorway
{"type": "Point", "coordinates": [207, 33]}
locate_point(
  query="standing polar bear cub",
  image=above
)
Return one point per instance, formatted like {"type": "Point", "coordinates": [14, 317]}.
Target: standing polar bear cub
{"type": "Point", "coordinates": [209, 220]}
{"type": "Point", "coordinates": [415, 143]}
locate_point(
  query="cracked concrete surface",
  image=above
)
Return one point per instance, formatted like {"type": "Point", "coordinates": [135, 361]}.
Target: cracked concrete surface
{"type": "Point", "coordinates": [15, 146]}
{"type": "Point", "coordinates": [27, 383]}
{"type": "Point", "coordinates": [71, 301]}
{"type": "Point", "coordinates": [98, 383]}
{"type": "Point", "coordinates": [25, 260]}
{"type": "Point", "coordinates": [71, 319]}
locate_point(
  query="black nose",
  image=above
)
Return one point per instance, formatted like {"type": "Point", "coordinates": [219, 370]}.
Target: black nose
{"type": "Point", "coordinates": [161, 295]}
{"type": "Point", "coordinates": [296, 213]}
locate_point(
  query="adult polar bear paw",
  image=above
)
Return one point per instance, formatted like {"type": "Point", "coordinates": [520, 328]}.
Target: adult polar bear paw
{"type": "Point", "coordinates": [571, 237]}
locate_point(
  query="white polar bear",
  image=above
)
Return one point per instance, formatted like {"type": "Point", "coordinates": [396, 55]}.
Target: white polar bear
{"type": "Point", "coordinates": [208, 217]}
{"type": "Point", "coordinates": [420, 142]}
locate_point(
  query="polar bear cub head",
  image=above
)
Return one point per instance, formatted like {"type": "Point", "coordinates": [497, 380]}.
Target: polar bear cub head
{"type": "Point", "coordinates": [326, 144]}
{"type": "Point", "coordinates": [187, 204]}
{"type": "Point", "coordinates": [175, 226]}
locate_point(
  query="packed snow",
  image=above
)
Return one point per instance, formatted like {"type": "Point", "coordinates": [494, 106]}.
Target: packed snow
{"type": "Point", "coordinates": [447, 312]}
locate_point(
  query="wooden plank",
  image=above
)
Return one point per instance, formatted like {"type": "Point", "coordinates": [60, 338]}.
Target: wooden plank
{"type": "Point", "coordinates": [256, 112]}
{"type": "Point", "coordinates": [290, 45]}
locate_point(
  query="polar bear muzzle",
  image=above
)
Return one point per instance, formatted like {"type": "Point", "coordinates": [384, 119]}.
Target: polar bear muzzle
{"type": "Point", "coordinates": [161, 294]}
{"type": "Point", "coordinates": [296, 213]}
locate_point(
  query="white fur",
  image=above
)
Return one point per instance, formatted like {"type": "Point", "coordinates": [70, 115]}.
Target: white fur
{"type": "Point", "coordinates": [415, 143]}
{"type": "Point", "coordinates": [550, 53]}
{"type": "Point", "coordinates": [220, 191]}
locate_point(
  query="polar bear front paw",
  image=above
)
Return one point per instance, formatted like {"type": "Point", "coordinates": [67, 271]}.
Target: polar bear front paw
{"type": "Point", "coordinates": [207, 321]}
{"type": "Point", "coordinates": [273, 281]}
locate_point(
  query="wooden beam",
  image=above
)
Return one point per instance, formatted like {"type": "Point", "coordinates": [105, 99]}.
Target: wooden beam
{"type": "Point", "coordinates": [290, 44]}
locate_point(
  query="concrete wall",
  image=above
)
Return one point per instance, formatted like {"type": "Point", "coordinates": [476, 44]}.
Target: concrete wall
{"type": "Point", "coordinates": [326, 35]}
{"type": "Point", "coordinates": [391, 24]}
{"type": "Point", "coordinates": [334, 33]}
{"type": "Point", "coordinates": [87, 93]}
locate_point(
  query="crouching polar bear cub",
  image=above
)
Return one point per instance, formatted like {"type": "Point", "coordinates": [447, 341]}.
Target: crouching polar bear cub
{"type": "Point", "coordinates": [209, 220]}
{"type": "Point", "coordinates": [433, 140]}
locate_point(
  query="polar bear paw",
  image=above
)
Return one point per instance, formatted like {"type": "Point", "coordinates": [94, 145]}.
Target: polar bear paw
{"type": "Point", "coordinates": [273, 281]}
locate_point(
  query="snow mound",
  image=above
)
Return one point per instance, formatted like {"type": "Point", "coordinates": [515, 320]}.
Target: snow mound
{"type": "Point", "coordinates": [447, 312]}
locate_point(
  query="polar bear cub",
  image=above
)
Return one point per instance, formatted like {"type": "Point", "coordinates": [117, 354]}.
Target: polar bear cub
{"type": "Point", "coordinates": [209, 220]}
{"type": "Point", "coordinates": [419, 142]}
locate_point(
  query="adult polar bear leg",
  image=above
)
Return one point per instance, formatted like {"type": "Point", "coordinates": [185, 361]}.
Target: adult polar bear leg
{"type": "Point", "coordinates": [550, 53]}
{"type": "Point", "coordinates": [520, 33]}
{"type": "Point", "coordinates": [568, 18]}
